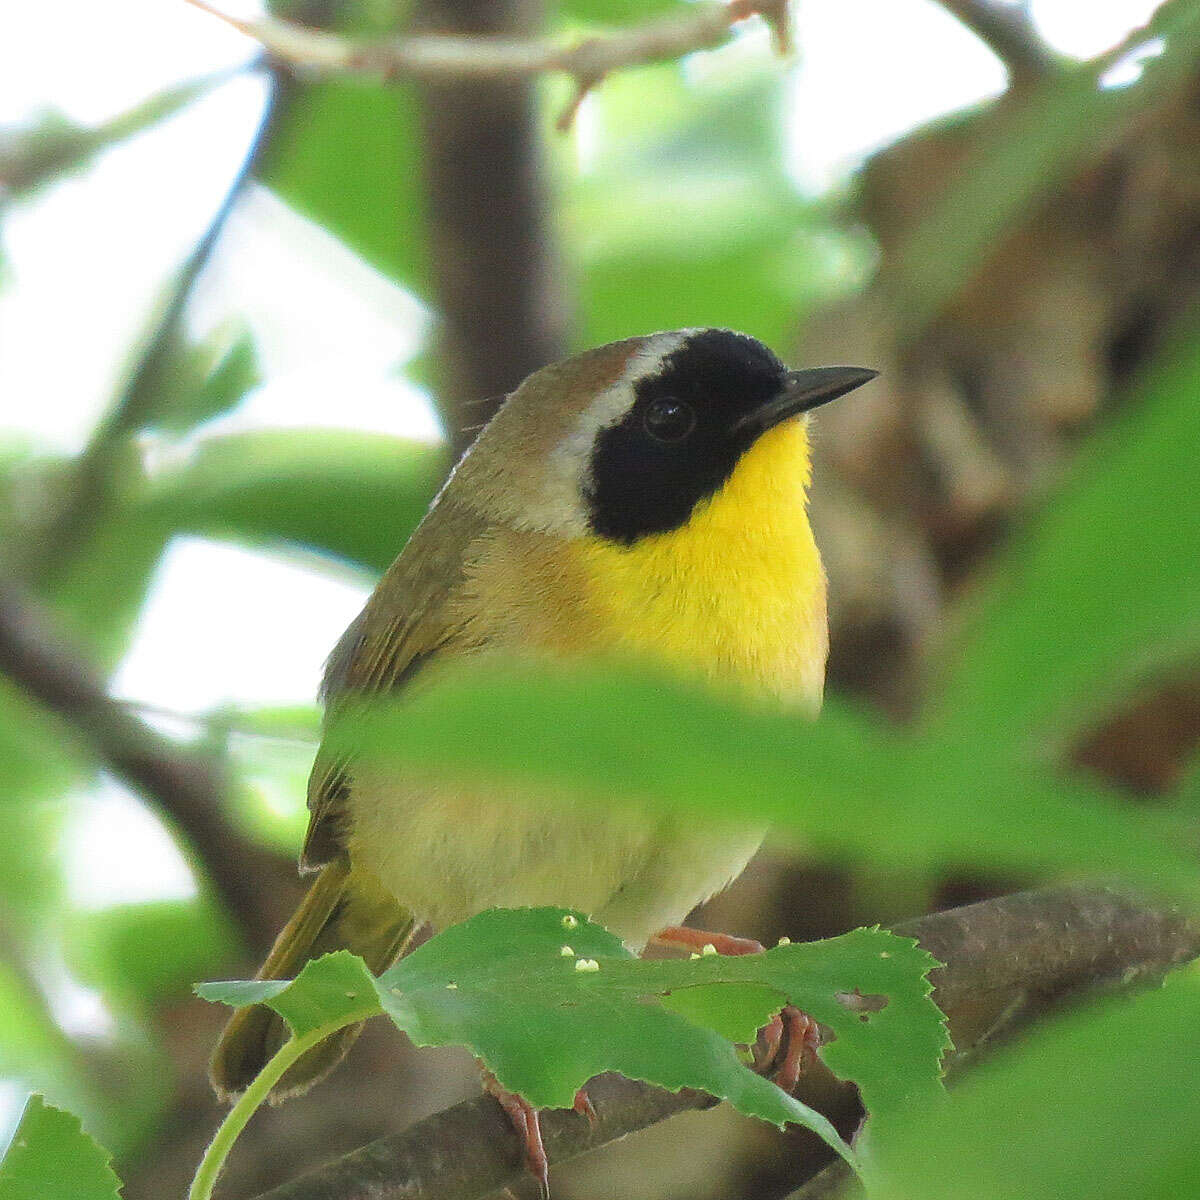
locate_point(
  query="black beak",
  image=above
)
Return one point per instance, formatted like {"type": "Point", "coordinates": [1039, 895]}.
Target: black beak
{"type": "Point", "coordinates": [803, 391]}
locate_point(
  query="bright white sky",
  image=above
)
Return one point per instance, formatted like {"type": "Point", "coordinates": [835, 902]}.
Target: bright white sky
{"type": "Point", "coordinates": [85, 260]}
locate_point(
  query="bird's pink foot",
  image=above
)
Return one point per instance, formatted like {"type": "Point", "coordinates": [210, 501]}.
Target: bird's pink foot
{"type": "Point", "coordinates": [789, 1041]}
{"type": "Point", "coordinates": [524, 1119]}
{"type": "Point", "coordinates": [526, 1123]}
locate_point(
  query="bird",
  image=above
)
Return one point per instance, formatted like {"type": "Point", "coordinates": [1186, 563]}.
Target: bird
{"type": "Point", "coordinates": [648, 497]}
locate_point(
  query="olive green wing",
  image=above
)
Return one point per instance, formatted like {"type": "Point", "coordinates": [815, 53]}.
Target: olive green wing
{"type": "Point", "coordinates": [409, 622]}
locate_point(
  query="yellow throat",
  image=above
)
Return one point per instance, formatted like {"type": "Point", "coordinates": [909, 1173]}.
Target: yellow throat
{"type": "Point", "coordinates": [738, 592]}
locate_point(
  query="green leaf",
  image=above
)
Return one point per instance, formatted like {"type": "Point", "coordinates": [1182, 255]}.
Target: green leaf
{"type": "Point", "coordinates": [356, 496]}
{"type": "Point", "coordinates": [1102, 587]}
{"type": "Point", "coordinates": [1099, 1105]}
{"type": "Point", "coordinates": [617, 12]}
{"type": "Point", "coordinates": [335, 987]}
{"type": "Point", "coordinates": [845, 785]}
{"type": "Point", "coordinates": [196, 381]}
{"type": "Point", "coordinates": [502, 984]}
{"type": "Point", "coordinates": [51, 1158]}
{"type": "Point", "coordinates": [232, 370]}
{"type": "Point", "coordinates": [347, 155]}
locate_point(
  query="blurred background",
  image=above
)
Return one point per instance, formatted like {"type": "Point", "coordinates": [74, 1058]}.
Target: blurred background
{"type": "Point", "coordinates": [247, 318]}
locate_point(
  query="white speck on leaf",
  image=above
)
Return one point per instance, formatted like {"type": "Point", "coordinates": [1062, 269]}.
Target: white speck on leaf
{"type": "Point", "coordinates": [570, 921]}
{"type": "Point", "coordinates": [567, 952]}
{"type": "Point", "coordinates": [587, 964]}
{"type": "Point", "coordinates": [452, 987]}
{"type": "Point", "coordinates": [708, 950]}
{"type": "Point", "coordinates": [784, 941]}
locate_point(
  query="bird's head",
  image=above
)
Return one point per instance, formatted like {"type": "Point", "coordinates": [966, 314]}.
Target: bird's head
{"type": "Point", "coordinates": [629, 440]}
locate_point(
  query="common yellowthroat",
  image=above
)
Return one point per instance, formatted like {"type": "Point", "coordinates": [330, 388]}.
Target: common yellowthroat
{"type": "Point", "coordinates": [648, 496]}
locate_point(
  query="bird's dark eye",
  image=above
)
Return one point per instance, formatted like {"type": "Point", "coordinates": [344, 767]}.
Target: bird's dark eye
{"type": "Point", "coordinates": [669, 420]}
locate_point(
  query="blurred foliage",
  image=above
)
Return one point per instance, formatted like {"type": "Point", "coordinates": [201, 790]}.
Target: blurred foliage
{"type": "Point", "coordinates": [742, 249]}
{"type": "Point", "coordinates": [1036, 141]}
{"type": "Point", "coordinates": [674, 206]}
{"type": "Point", "coordinates": [51, 146]}
{"type": "Point", "coordinates": [1095, 595]}
{"type": "Point", "coordinates": [352, 496]}
{"type": "Point", "coordinates": [201, 381]}
{"type": "Point", "coordinates": [347, 155]}
{"type": "Point", "coordinates": [1119, 1073]}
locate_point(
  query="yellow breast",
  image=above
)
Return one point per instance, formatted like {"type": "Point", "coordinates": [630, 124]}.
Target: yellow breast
{"type": "Point", "coordinates": [738, 593]}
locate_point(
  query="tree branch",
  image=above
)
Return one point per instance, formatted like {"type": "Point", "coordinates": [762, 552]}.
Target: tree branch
{"type": "Point", "coordinates": [1016, 952]}
{"type": "Point", "coordinates": [183, 786]}
{"type": "Point", "coordinates": [1009, 34]}
{"type": "Point", "coordinates": [436, 58]}
{"type": "Point", "coordinates": [502, 312]}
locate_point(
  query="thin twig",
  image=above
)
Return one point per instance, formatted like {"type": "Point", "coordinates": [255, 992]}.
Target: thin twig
{"type": "Point", "coordinates": [1002, 956]}
{"type": "Point", "coordinates": [1008, 31]}
{"type": "Point", "coordinates": [435, 58]}
{"type": "Point", "coordinates": [184, 787]}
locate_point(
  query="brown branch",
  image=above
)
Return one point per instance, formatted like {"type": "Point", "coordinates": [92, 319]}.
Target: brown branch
{"type": "Point", "coordinates": [1016, 952]}
{"type": "Point", "coordinates": [502, 312]}
{"type": "Point", "coordinates": [441, 58]}
{"type": "Point", "coordinates": [184, 787]}
{"type": "Point", "coordinates": [1009, 34]}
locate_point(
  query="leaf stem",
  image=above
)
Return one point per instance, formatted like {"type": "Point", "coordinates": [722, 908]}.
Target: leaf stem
{"type": "Point", "coordinates": [237, 1117]}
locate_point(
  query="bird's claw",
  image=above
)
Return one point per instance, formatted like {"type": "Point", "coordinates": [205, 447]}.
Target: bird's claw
{"type": "Point", "coordinates": [789, 1041]}
{"type": "Point", "coordinates": [583, 1106]}
{"type": "Point", "coordinates": [526, 1124]}
{"type": "Point", "coordinates": [786, 1045]}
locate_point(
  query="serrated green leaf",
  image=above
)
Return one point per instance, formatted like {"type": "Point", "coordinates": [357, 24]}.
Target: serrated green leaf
{"type": "Point", "coordinates": [51, 1158]}
{"type": "Point", "coordinates": [1098, 1105]}
{"type": "Point", "coordinates": [544, 1027]}
{"type": "Point", "coordinates": [845, 785]}
{"type": "Point", "coordinates": [1101, 587]}
{"type": "Point", "coordinates": [335, 987]}
{"type": "Point", "coordinates": [356, 496]}
{"type": "Point", "coordinates": [545, 1021]}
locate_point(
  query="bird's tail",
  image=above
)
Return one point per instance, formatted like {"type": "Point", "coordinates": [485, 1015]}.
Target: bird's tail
{"type": "Point", "coordinates": [343, 908]}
